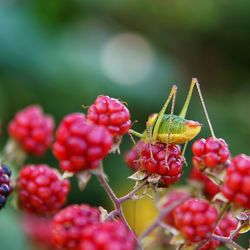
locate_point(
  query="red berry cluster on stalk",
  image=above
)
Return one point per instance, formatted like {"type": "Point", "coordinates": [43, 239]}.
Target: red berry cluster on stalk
{"type": "Point", "coordinates": [236, 186]}
{"type": "Point", "coordinates": [41, 189]}
{"type": "Point", "coordinates": [155, 160]}
{"type": "Point", "coordinates": [110, 113]}
{"type": "Point", "coordinates": [5, 184]}
{"type": "Point", "coordinates": [80, 144]}
{"type": "Point", "coordinates": [32, 129]}
{"type": "Point", "coordinates": [210, 152]}
{"type": "Point", "coordinates": [196, 219]}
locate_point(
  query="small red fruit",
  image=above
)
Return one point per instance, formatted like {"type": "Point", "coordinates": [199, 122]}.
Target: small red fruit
{"type": "Point", "coordinates": [32, 129]}
{"type": "Point", "coordinates": [111, 235]}
{"type": "Point", "coordinates": [41, 189]}
{"type": "Point", "coordinates": [236, 186]}
{"type": "Point", "coordinates": [132, 157]}
{"type": "Point", "coordinates": [80, 144]}
{"type": "Point", "coordinates": [110, 113]}
{"type": "Point", "coordinates": [171, 170]}
{"type": "Point", "coordinates": [68, 224]}
{"type": "Point", "coordinates": [210, 152]}
{"type": "Point", "coordinates": [196, 219]}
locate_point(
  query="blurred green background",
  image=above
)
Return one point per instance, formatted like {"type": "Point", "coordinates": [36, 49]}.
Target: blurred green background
{"type": "Point", "coordinates": [62, 54]}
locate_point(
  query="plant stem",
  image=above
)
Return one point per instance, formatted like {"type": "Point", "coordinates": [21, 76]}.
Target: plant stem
{"type": "Point", "coordinates": [159, 219]}
{"type": "Point", "coordinates": [228, 242]}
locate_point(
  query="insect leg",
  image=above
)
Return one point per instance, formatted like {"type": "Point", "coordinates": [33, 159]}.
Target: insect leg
{"type": "Point", "coordinates": [162, 112]}
{"type": "Point", "coordinates": [195, 82]}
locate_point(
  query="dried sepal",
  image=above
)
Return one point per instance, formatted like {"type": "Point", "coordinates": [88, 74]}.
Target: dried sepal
{"type": "Point", "coordinates": [138, 175]}
{"type": "Point", "coordinates": [83, 179]}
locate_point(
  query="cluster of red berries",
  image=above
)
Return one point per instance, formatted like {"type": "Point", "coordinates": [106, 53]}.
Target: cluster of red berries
{"type": "Point", "coordinates": [210, 152]}
{"type": "Point", "coordinates": [81, 144]}
{"type": "Point", "coordinates": [209, 188]}
{"type": "Point", "coordinates": [78, 227]}
{"type": "Point", "coordinates": [236, 186]}
{"type": "Point", "coordinates": [5, 184]}
{"type": "Point", "coordinates": [110, 113]}
{"type": "Point", "coordinates": [196, 219]}
{"type": "Point", "coordinates": [155, 160]}
{"type": "Point", "coordinates": [41, 189]}
{"type": "Point", "coordinates": [32, 129]}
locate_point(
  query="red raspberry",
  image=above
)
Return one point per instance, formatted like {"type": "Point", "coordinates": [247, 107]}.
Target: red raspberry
{"type": "Point", "coordinates": [209, 187]}
{"type": "Point", "coordinates": [41, 189]}
{"type": "Point", "coordinates": [80, 144]}
{"type": "Point", "coordinates": [111, 235]}
{"type": "Point", "coordinates": [170, 171]}
{"type": "Point", "coordinates": [68, 224]}
{"type": "Point", "coordinates": [38, 229]}
{"type": "Point", "coordinates": [227, 224]}
{"type": "Point", "coordinates": [132, 157]}
{"type": "Point", "coordinates": [210, 152]}
{"type": "Point", "coordinates": [32, 129]}
{"type": "Point", "coordinates": [5, 185]}
{"type": "Point", "coordinates": [196, 219]}
{"type": "Point", "coordinates": [236, 186]}
{"type": "Point", "coordinates": [110, 113]}
{"type": "Point", "coordinates": [172, 197]}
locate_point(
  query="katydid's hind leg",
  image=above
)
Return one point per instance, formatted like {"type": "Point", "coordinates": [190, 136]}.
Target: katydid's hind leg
{"type": "Point", "coordinates": [162, 112]}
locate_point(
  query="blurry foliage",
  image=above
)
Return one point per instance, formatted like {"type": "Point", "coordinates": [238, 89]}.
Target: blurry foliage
{"type": "Point", "coordinates": [50, 53]}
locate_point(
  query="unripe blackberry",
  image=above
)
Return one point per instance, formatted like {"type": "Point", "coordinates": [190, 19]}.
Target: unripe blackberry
{"type": "Point", "coordinates": [41, 190]}
{"type": "Point", "coordinates": [236, 186]}
{"type": "Point", "coordinates": [110, 113]}
{"type": "Point", "coordinates": [81, 145]}
{"type": "Point", "coordinates": [210, 152]}
{"type": "Point", "coordinates": [171, 170]}
{"type": "Point", "coordinates": [132, 157]}
{"type": "Point", "coordinates": [111, 235]}
{"type": "Point", "coordinates": [32, 129]}
{"type": "Point", "coordinates": [5, 184]}
{"type": "Point", "coordinates": [173, 197]}
{"type": "Point", "coordinates": [209, 188]}
{"type": "Point", "coordinates": [68, 224]}
{"type": "Point", "coordinates": [196, 219]}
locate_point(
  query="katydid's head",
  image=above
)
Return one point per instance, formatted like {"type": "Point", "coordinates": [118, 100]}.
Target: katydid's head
{"type": "Point", "coordinates": [192, 128]}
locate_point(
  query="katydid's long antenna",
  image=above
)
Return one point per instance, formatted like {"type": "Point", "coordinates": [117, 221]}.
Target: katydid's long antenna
{"type": "Point", "coordinates": [204, 107]}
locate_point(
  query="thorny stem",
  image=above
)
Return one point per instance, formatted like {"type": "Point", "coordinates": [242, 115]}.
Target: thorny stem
{"type": "Point", "coordinates": [159, 219]}
{"type": "Point", "coordinates": [117, 202]}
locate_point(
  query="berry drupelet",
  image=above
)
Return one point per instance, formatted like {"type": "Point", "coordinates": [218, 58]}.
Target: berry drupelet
{"type": "Point", "coordinates": [80, 144]}
{"type": "Point", "coordinates": [110, 113]}
{"type": "Point", "coordinates": [111, 235]}
{"type": "Point", "coordinates": [5, 184]}
{"type": "Point", "coordinates": [68, 224]}
{"type": "Point", "coordinates": [236, 186]}
{"type": "Point", "coordinates": [32, 129]}
{"type": "Point", "coordinates": [153, 160]}
{"type": "Point", "coordinates": [41, 189]}
{"type": "Point", "coordinates": [210, 152]}
{"type": "Point", "coordinates": [196, 219]}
